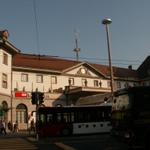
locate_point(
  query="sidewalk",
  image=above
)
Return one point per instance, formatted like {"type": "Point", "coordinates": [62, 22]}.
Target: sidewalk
{"type": "Point", "coordinates": [21, 133]}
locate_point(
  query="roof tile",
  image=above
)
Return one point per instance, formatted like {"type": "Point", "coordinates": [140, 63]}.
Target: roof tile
{"type": "Point", "coordinates": [59, 64]}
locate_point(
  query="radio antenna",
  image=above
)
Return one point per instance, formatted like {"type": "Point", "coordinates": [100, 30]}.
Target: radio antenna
{"type": "Point", "coordinates": [77, 49]}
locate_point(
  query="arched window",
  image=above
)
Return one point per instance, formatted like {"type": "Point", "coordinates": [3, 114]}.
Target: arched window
{"type": "Point", "coordinates": [21, 113]}
{"type": "Point", "coordinates": [4, 111]}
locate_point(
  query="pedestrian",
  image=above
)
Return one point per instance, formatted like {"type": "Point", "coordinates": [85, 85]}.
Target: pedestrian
{"type": "Point", "coordinates": [32, 126]}
{"type": "Point", "coordinates": [2, 127]}
{"type": "Point", "coordinates": [9, 126]}
{"type": "Point", "coordinates": [15, 127]}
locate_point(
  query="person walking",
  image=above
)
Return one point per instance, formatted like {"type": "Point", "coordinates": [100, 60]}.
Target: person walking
{"type": "Point", "coordinates": [15, 127]}
{"type": "Point", "coordinates": [9, 126]}
{"type": "Point", "coordinates": [32, 126]}
{"type": "Point", "coordinates": [2, 127]}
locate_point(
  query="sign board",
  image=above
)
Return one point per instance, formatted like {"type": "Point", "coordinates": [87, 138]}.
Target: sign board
{"type": "Point", "coordinates": [21, 94]}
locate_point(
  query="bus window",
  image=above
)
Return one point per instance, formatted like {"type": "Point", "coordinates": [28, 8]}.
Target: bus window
{"type": "Point", "coordinates": [42, 118]}
{"type": "Point", "coordinates": [65, 117]}
{"type": "Point", "coordinates": [142, 99]}
{"type": "Point", "coordinates": [107, 116]}
{"type": "Point", "coordinates": [100, 116]}
{"type": "Point", "coordinates": [72, 117]}
{"type": "Point", "coordinates": [59, 117]}
{"type": "Point", "coordinates": [49, 118]}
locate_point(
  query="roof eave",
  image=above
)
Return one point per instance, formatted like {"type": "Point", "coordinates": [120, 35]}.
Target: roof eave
{"type": "Point", "coordinates": [6, 44]}
{"type": "Point", "coordinates": [36, 69]}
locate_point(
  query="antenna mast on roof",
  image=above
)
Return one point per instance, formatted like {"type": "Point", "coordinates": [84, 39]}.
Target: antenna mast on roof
{"type": "Point", "coordinates": [77, 49]}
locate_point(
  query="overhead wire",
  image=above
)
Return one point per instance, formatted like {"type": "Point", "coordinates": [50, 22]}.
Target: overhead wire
{"type": "Point", "coordinates": [96, 60]}
{"type": "Point", "coordinates": [36, 26]}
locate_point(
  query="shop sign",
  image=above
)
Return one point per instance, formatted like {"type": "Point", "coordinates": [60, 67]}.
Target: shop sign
{"type": "Point", "coordinates": [20, 94]}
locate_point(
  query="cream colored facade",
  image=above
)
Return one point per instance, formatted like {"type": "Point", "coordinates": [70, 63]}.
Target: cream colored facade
{"type": "Point", "coordinates": [5, 69]}
{"type": "Point", "coordinates": [26, 80]}
{"type": "Point", "coordinates": [5, 88]}
{"type": "Point", "coordinates": [47, 83]}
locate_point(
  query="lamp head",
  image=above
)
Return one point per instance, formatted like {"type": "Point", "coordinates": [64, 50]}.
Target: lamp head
{"type": "Point", "coordinates": [106, 21]}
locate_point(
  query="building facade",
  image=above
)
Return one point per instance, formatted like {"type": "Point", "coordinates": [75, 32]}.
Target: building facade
{"type": "Point", "coordinates": [7, 51]}
{"type": "Point", "coordinates": [62, 81]}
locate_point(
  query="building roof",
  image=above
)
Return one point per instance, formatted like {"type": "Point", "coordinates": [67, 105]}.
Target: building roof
{"type": "Point", "coordinates": [144, 68]}
{"type": "Point", "coordinates": [44, 62]}
{"type": "Point", "coordinates": [117, 71]}
{"type": "Point", "coordinates": [5, 44]}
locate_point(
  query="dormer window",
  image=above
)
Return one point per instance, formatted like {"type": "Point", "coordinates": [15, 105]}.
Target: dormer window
{"type": "Point", "coordinates": [96, 83]}
{"type": "Point", "coordinates": [24, 77]}
{"type": "Point", "coordinates": [53, 79]}
{"type": "Point", "coordinates": [39, 78]}
{"type": "Point", "coordinates": [71, 81]}
{"type": "Point", "coordinates": [84, 82]}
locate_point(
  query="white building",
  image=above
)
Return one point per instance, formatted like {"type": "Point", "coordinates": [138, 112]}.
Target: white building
{"type": "Point", "coordinates": [7, 51]}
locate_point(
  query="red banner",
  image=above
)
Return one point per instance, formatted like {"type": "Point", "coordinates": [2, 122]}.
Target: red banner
{"type": "Point", "coordinates": [20, 94]}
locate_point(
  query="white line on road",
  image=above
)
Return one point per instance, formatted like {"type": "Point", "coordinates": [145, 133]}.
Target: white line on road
{"type": "Point", "coordinates": [64, 146]}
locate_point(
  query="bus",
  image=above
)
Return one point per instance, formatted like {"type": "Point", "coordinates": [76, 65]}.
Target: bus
{"type": "Point", "coordinates": [130, 116]}
{"type": "Point", "coordinates": [68, 120]}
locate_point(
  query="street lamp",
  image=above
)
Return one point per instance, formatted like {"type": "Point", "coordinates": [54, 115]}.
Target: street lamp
{"type": "Point", "coordinates": [106, 22]}
{"type": "Point", "coordinates": [67, 90]}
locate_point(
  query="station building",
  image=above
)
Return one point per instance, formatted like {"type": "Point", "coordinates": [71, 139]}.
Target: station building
{"type": "Point", "coordinates": [63, 81]}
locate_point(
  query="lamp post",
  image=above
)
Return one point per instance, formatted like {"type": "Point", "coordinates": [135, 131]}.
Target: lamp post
{"type": "Point", "coordinates": [106, 22]}
{"type": "Point", "coordinates": [67, 89]}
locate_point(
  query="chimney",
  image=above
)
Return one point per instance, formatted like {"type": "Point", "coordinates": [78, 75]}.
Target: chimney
{"type": "Point", "coordinates": [130, 67]}
{"type": "Point", "coordinates": [4, 34]}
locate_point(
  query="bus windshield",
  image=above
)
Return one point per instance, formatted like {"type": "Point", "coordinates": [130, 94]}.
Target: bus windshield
{"type": "Point", "coordinates": [121, 102]}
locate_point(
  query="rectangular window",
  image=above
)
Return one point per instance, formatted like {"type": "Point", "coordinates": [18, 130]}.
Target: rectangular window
{"type": "Point", "coordinates": [24, 77]}
{"type": "Point", "coordinates": [5, 59]}
{"type": "Point", "coordinates": [39, 78]}
{"type": "Point", "coordinates": [71, 81]}
{"type": "Point", "coordinates": [4, 80]}
{"type": "Point", "coordinates": [84, 82]}
{"type": "Point", "coordinates": [108, 84]}
{"type": "Point", "coordinates": [118, 85]}
{"type": "Point", "coordinates": [96, 84]}
{"type": "Point", "coordinates": [54, 80]}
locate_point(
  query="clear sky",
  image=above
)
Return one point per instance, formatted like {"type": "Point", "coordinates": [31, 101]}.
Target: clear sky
{"type": "Point", "coordinates": [57, 20]}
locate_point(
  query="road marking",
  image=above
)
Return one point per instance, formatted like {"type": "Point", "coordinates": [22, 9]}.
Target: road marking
{"type": "Point", "coordinates": [64, 146]}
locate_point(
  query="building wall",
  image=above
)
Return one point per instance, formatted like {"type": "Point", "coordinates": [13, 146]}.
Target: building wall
{"type": "Point", "coordinates": [5, 92]}
{"type": "Point", "coordinates": [6, 69]}
{"type": "Point", "coordinates": [47, 84]}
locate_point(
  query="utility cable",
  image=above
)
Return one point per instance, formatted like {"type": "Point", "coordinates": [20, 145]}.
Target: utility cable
{"type": "Point", "coordinates": [36, 26]}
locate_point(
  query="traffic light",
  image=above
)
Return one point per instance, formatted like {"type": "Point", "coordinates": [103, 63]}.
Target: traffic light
{"type": "Point", "coordinates": [34, 98]}
{"type": "Point", "coordinates": [41, 97]}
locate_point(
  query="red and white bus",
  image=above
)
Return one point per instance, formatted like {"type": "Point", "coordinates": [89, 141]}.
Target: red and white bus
{"type": "Point", "coordinates": [53, 121]}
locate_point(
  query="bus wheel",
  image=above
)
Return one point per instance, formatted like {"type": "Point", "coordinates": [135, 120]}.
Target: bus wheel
{"type": "Point", "coordinates": [65, 132]}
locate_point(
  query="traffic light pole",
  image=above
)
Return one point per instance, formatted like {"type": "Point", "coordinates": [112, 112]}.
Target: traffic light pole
{"type": "Point", "coordinates": [37, 99]}
{"type": "Point", "coordinates": [37, 135]}
{"type": "Point", "coordinates": [37, 106]}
